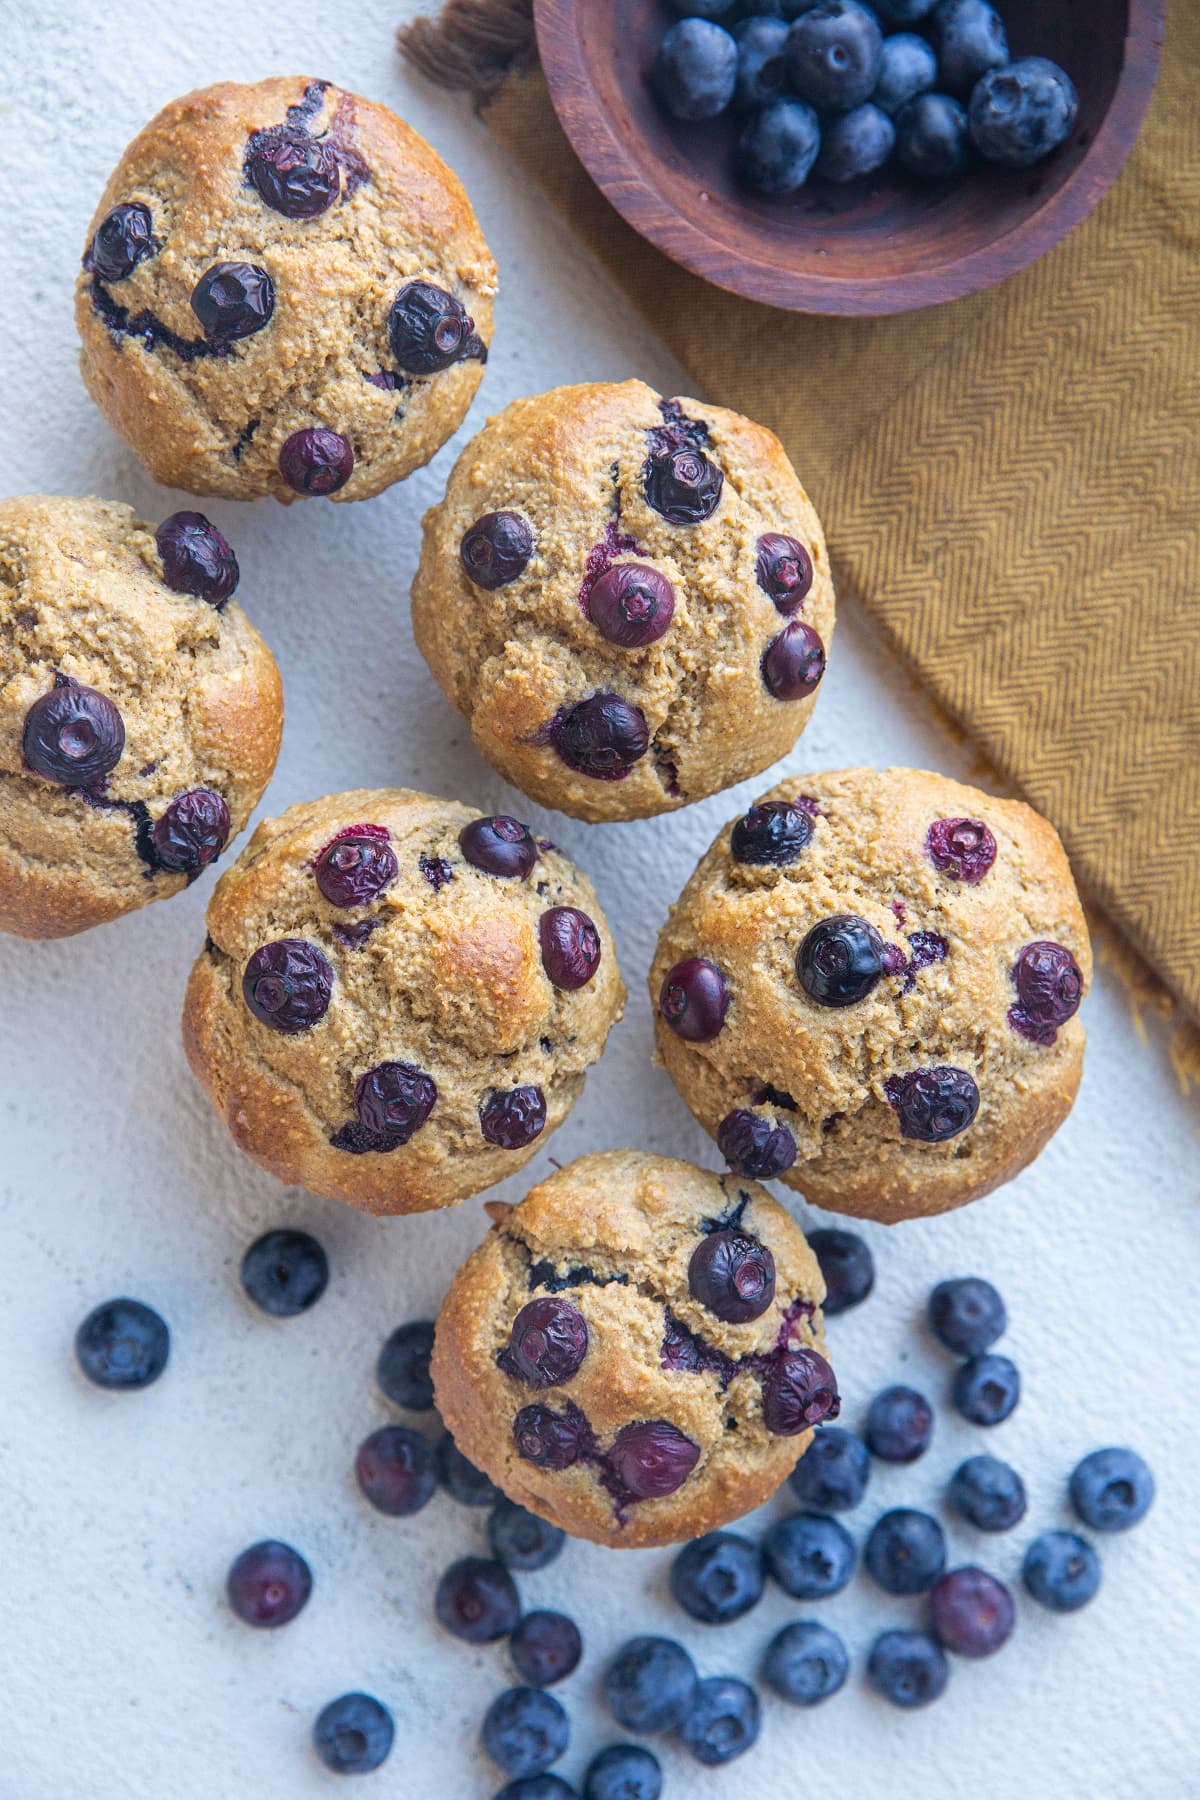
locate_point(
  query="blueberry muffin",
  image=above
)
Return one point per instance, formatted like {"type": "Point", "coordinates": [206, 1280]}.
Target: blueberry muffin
{"type": "Point", "coordinates": [635, 1352]}
{"type": "Point", "coordinates": [284, 291]}
{"type": "Point", "coordinates": [628, 599]}
{"type": "Point", "coordinates": [140, 712]}
{"type": "Point", "coordinates": [869, 986]}
{"type": "Point", "coordinates": [399, 999]}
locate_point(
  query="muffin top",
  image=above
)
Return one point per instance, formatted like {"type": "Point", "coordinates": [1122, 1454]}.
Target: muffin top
{"type": "Point", "coordinates": [399, 997]}
{"type": "Point", "coordinates": [140, 712]}
{"type": "Point", "coordinates": [635, 1350]}
{"type": "Point", "coordinates": [284, 291]}
{"type": "Point", "coordinates": [869, 986]}
{"type": "Point", "coordinates": [628, 598]}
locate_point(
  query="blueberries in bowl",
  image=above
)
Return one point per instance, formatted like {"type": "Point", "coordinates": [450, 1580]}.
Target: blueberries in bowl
{"type": "Point", "coordinates": [970, 39]}
{"type": "Point", "coordinates": [761, 64]}
{"type": "Point", "coordinates": [834, 53]}
{"type": "Point", "coordinates": [696, 69]}
{"type": "Point", "coordinates": [778, 147]}
{"type": "Point", "coordinates": [931, 137]}
{"type": "Point", "coordinates": [856, 143]}
{"type": "Point", "coordinates": [908, 67]}
{"type": "Point", "coordinates": [1021, 113]}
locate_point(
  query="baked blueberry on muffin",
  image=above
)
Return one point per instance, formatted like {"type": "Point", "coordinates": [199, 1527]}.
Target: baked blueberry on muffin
{"type": "Point", "coordinates": [140, 712]}
{"type": "Point", "coordinates": [628, 598]}
{"type": "Point", "coordinates": [399, 999]}
{"type": "Point", "coordinates": [284, 291]}
{"type": "Point", "coordinates": [635, 1352]}
{"type": "Point", "coordinates": [868, 988]}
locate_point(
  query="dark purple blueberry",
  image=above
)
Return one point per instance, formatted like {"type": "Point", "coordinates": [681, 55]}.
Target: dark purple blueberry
{"type": "Point", "coordinates": [429, 329]}
{"type": "Point", "coordinates": [358, 865]}
{"type": "Point", "coordinates": [513, 1117]}
{"type": "Point", "coordinates": [652, 1459]}
{"type": "Point", "coordinates": [988, 1493]}
{"type": "Point", "coordinates": [1111, 1489]}
{"type": "Point", "coordinates": [196, 558]}
{"type": "Point", "coordinates": [499, 846]}
{"type": "Point", "coordinates": [963, 849]}
{"type": "Point", "coordinates": [295, 174]}
{"type": "Point", "coordinates": [496, 549]}
{"type": "Point", "coordinates": [521, 1540]}
{"type": "Point", "coordinates": [732, 1275]}
{"type": "Point", "coordinates": [722, 1721]}
{"type": "Point", "coordinates": [123, 239]}
{"type": "Point", "coordinates": [840, 960]}
{"type": "Point", "coordinates": [971, 1612]}
{"type": "Point", "coordinates": [718, 1577]}
{"type": "Point", "coordinates": [810, 1556]}
{"type": "Point", "coordinates": [793, 662]}
{"type": "Point", "coordinates": [632, 605]}
{"type": "Point", "coordinates": [191, 832]}
{"type": "Point", "coordinates": [784, 569]}
{"type": "Point", "coordinates": [771, 834]}
{"type": "Point", "coordinates": [650, 1684]}
{"type": "Point", "coordinates": [524, 1731]}
{"type": "Point", "coordinates": [1061, 1571]}
{"type": "Point", "coordinates": [547, 1345]}
{"type": "Point", "coordinates": [755, 1146]}
{"type": "Point", "coordinates": [353, 1734]}
{"type": "Point", "coordinates": [477, 1600]}
{"type": "Point", "coordinates": [1049, 989]}
{"type": "Point", "coordinates": [987, 1389]}
{"type": "Point", "coordinates": [393, 1100]}
{"type": "Point", "coordinates": [285, 1272]}
{"type": "Point", "coordinates": [233, 300]}
{"type": "Point", "coordinates": [570, 947]}
{"type": "Point", "coordinates": [436, 870]}
{"type": "Point", "coordinates": [967, 1315]}
{"type": "Point", "coordinates": [847, 1265]}
{"type": "Point", "coordinates": [268, 1584]}
{"type": "Point", "coordinates": [683, 485]}
{"type": "Point", "coordinates": [899, 1425]}
{"type": "Point", "coordinates": [403, 1367]}
{"type": "Point", "coordinates": [545, 1647]}
{"type": "Point", "coordinates": [459, 1476]}
{"type": "Point", "coordinates": [123, 1344]}
{"type": "Point", "coordinates": [552, 1440]}
{"type": "Point", "coordinates": [602, 736]}
{"type": "Point", "coordinates": [622, 1772]}
{"type": "Point", "coordinates": [288, 984]}
{"type": "Point", "coordinates": [933, 1104]}
{"type": "Point", "coordinates": [316, 461]}
{"type": "Point", "coordinates": [73, 735]}
{"type": "Point", "coordinates": [799, 1390]}
{"type": "Point", "coordinates": [394, 1469]}
{"type": "Point", "coordinates": [694, 1000]}
{"type": "Point", "coordinates": [905, 1551]}
{"type": "Point", "coordinates": [908, 1668]}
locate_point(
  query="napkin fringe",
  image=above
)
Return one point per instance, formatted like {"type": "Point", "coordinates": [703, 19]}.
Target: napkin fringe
{"type": "Point", "coordinates": [472, 45]}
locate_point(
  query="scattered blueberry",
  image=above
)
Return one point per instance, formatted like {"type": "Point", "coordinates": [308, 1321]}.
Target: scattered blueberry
{"type": "Point", "coordinates": [545, 1647]}
{"type": "Point", "coordinates": [196, 558]}
{"type": "Point", "coordinates": [694, 999]}
{"type": "Point", "coordinates": [285, 1272]}
{"type": "Point", "coordinates": [840, 960]}
{"type": "Point", "coordinates": [798, 1391]}
{"type": "Point", "coordinates": [899, 1425]}
{"type": "Point", "coordinates": [288, 985]}
{"type": "Point", "coordinates": [967, 1315]}
{"type": "Point", "coordinates": [403, 1367]}
{"type": "Point", "coordinates": [191, 832]}
{"type": "Point", "coordinates": [430, 329]}
{"type": "Point", "coordinates": [771, 834]}
{"type": "Point", "coordinates": [394, 1469]}
{"type": "Point", "coordinates": [933, 1105]}
{"type": "Point", "coordinates": [316, 461]}
{"type": "Point", "coordinates": [520, 1540]}
{"type": "Point", "coordinates": [856, 143]}
{"type": "Point", "coordinates": [809, 1555]}
{"type": "Point", "coordinates": [906, 1551]}
{"type": "Point", "coordinates": [570, 946]}
{"type": "Point", "coordinates": [1020, 114]}
{"type": "Point", "coordinates": [496, 549]}
{"type": "Point", "coordinates": [477, 1601]}
{"type": "Point", "coordinates": [123, 239]}
{"type": "Point", "coordinates": [972, 1612]}
{"type": "Point", "coordinates": [268, 1584]}
{"type": "Point", "coordinates": [931, 137]}
{"type": "Point", "coordinates": [722, 1720]}
{"type": "Point", "coordinates": [970, 40]}
{"type": "Point", "coordinates": [631, 605]}
{"type": "Point", "coordinates": [353, 1734]}
{"type": "Point", "coordinates": [778, 147]}
{"type": "Point", "coordinates": [909, 1668]}
{"type": "Point", "coordinates": [460, 1478]}
{"type": "Point", "coordinates": [1111, 1489]}
{"type": "Point", "coordinates": [512, 1117]}
{"type": "Point", "coordinates": [732, 1275]}
{"type": "Point", "coordinates": [988, 1493]}
{"type": "Point", "coordinates": [761, 62]}
{"type": "Point", "coordinates": [123, 1344]}
{"type": "Point", "coordinates": [499, 846]}
{"type": "Point", "coordinates": [718, 1577]}
{"type": "Point", "coordinates": [537, 1787]}
{"type": "Point", "coordinates": [623, 1772]}
{"type": "Point", "coordinates": [907, 67]}
{"type": "Point", "coordinates": [832, 1474]}
{"type": "Point", "coordinates": [986, 1389]}
{"type": "Point", "coordinates": [1061, 1571]}
{"type": "Point", "coordinates": [696, 69]}
{"type": "Point", "coordinates": [650, 1684]}
{"type": "Point", "coordinates": [754, 1145]}
{"type": "Point", "coordinates": [73, 735]}
{"type": "Point", "coordinates": [525, 1730]}
{"type": "Point", "coordinates": [602, 736]}
{"type": "Point", "coordinates": [793, 662]}
{"type": "Point", "coordinates": [834, 53]}
{"type": "Point", "coordinates": [233, 300]}
{"type": "Point", "coordinates": [848, 1267]}
{"type": "Point", "coordinates": [805, 1663]}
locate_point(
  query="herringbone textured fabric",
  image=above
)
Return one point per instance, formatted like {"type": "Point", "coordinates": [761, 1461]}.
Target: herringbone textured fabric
{"type": "Point", "coordinates": [1012, 485]}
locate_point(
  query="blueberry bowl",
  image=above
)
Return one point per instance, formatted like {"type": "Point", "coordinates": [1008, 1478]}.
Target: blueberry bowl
{"type": "Point", "coordinates": [881, 243]}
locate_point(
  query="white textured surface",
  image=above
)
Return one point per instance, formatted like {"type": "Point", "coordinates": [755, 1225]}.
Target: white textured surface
{"type": "Point", "coordinates": [124, 1675]}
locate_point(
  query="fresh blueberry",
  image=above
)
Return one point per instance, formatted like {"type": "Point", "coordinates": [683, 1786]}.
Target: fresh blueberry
{"type": "Point", "coordinates": [771, 835]}
{"type": "Point", "coordinates": [702, 9]}
{"type": "Point", "coordinates": [798, 1391]}
{"type": "Point", "coordinates": [1111, 1489]}
{"type": "Point", "coordinates": [848, 1267]}
{"type": "Point", "coordinates": [393, 1100]}
{"type": "Point", "coordinates": [694, 999]}
{"type": "Point", "coordinates": [970, 40]}
{"type": "Point", "coordinates": [353, 1734]}
{"type": "Point", "coordinates": [358, 865]}
{"type": "Point", "coordinates": [545, 1647]}
{"type": "Point", "coordinates": [191, 832]}
{"type": "Point", "coordinates": [1061, 1571]}
{"type": "Point", "coordinates": [722, 1721]}
{"type": "Point", "coordinates": [123, 1344]}
{"type": "Point", "coordinates": [761, 62]}
{"type": "Point", "coordinates": [810, 1556]}
{"type": "Point", "coordinates": [525, 1730]}
{"type": "Point", "coordinates": [233, 300]}
{"type": "Point", "coordinates": [403, 1367]}
{"type": "Point", "coordinates": [552, 1440]}
{"type": "Point", "coordinates": [986, 1389]}
{"type": "Point", "coordinates": [840, 960]}
{"type": "Point", "coordinates": [631, 605]}
{"type": "Point", "coordinates": [268, 1584]}
{"type": "Point", "coordinates": [784, 571]}
{"type": "Point", "coordinates": [496, 550]}
{"type": "Point", "coordinates": [602, 736]}
{"type": "Point", "coordinates": [805, 1663]}
{"type": "Point", "coordinates": [285, 1272]}
{"type": "Point", "coordinates": [908, 68]}
{"type": "Point", "coordinates": [732, 1275]}
{"type": "Point", "coordinates": [394, 1469]}
{"type": "Point", "coordinates": [793, 662]}
{"type": "Point", "coordinates": [987, 1493]}
{"type": "Point", "coordinates": [123, 239]}
{"type": "Point", "coordinates": [909, 1668]}
{"type": "Point", "coordinates": [460, 1478]}
{"type": "Point", "coordinates": [906, 1551]}
{"type": "Point", "coordinates": [430, 329]}
{"type": "Point", "coordinates": [902, 12]}
{"type": "Point", "coordinates": [1021, 113]}
{"type": "Point", "coordinates": [899, 1425]}
{"type": "Point", "coordinates": [547, 1343]}
{"type": "Point", "coordinates": [683, 484]}
{"type": "Point", "coordinates": [754, 1145]}
{"type": "Point", "coordinates": [856, 143]}
{"type": "Point", "coordinates": [963, 849]}
{"type": "Point", "coordinates": [295, 174]}
{"type": "Point", "coordinates": [623, 1772]}
{"type": "Point", "coordinates": [967, 1315]}
{"type": "Point", "coordinates": [834, 52]}
{"type": "Point", "coordinates": [196, 558]}
{"type": "Point", "coordinates": [696, 69]}
{"type": "Point", "coordinates": [287, 985]}
{"type": "Point", "coordinates": [832, 1474]}
{"type": "Point", "coordinates": [570, 946]}
{"type": "Point", "coordinates": [513, 1117]}
{"type": "Point", "coordinates": [972, 1613]}
{"type": "Point", "coordinates": [933, 1105]}
{"type": "Point", "coordinates": [650, 1684]}
{"type": "Point", "coordinates": [73, 735]}
{"type": "Point", "coordinates": [477, 1600]}
{"type": "Point", "coordinates": [778, 147]}
{"type": "Point", "coordinates": [316, 461]}
{"type": "Point", "coordinates": [1049, 988]}
{"type": "Point", "coordinates": [718, 1577]}
{"type": "Point", "coordinates": [537, 1787]}
{"type": "Point", "coordinates": [651, 1459]}
{"type": "Point", "coordinates": [499, 846]}
{"type": "Point", "coordinates": [931, 137]}
{"type": "Point", "coordinates": [520, 1540]}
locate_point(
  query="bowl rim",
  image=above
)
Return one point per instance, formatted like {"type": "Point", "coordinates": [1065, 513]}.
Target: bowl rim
{"type": "Point", "coordinates": [590, 131]}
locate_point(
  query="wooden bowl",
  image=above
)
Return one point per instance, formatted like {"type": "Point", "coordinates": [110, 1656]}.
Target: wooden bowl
{"type": "Point", "coordinates": [882, 245]}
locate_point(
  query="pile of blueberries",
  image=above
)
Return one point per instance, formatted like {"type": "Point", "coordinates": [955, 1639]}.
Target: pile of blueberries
{"type": "Point", "coordinates": [652, 1685]}
{"type": "Point", "coordinates": [839, 88]}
